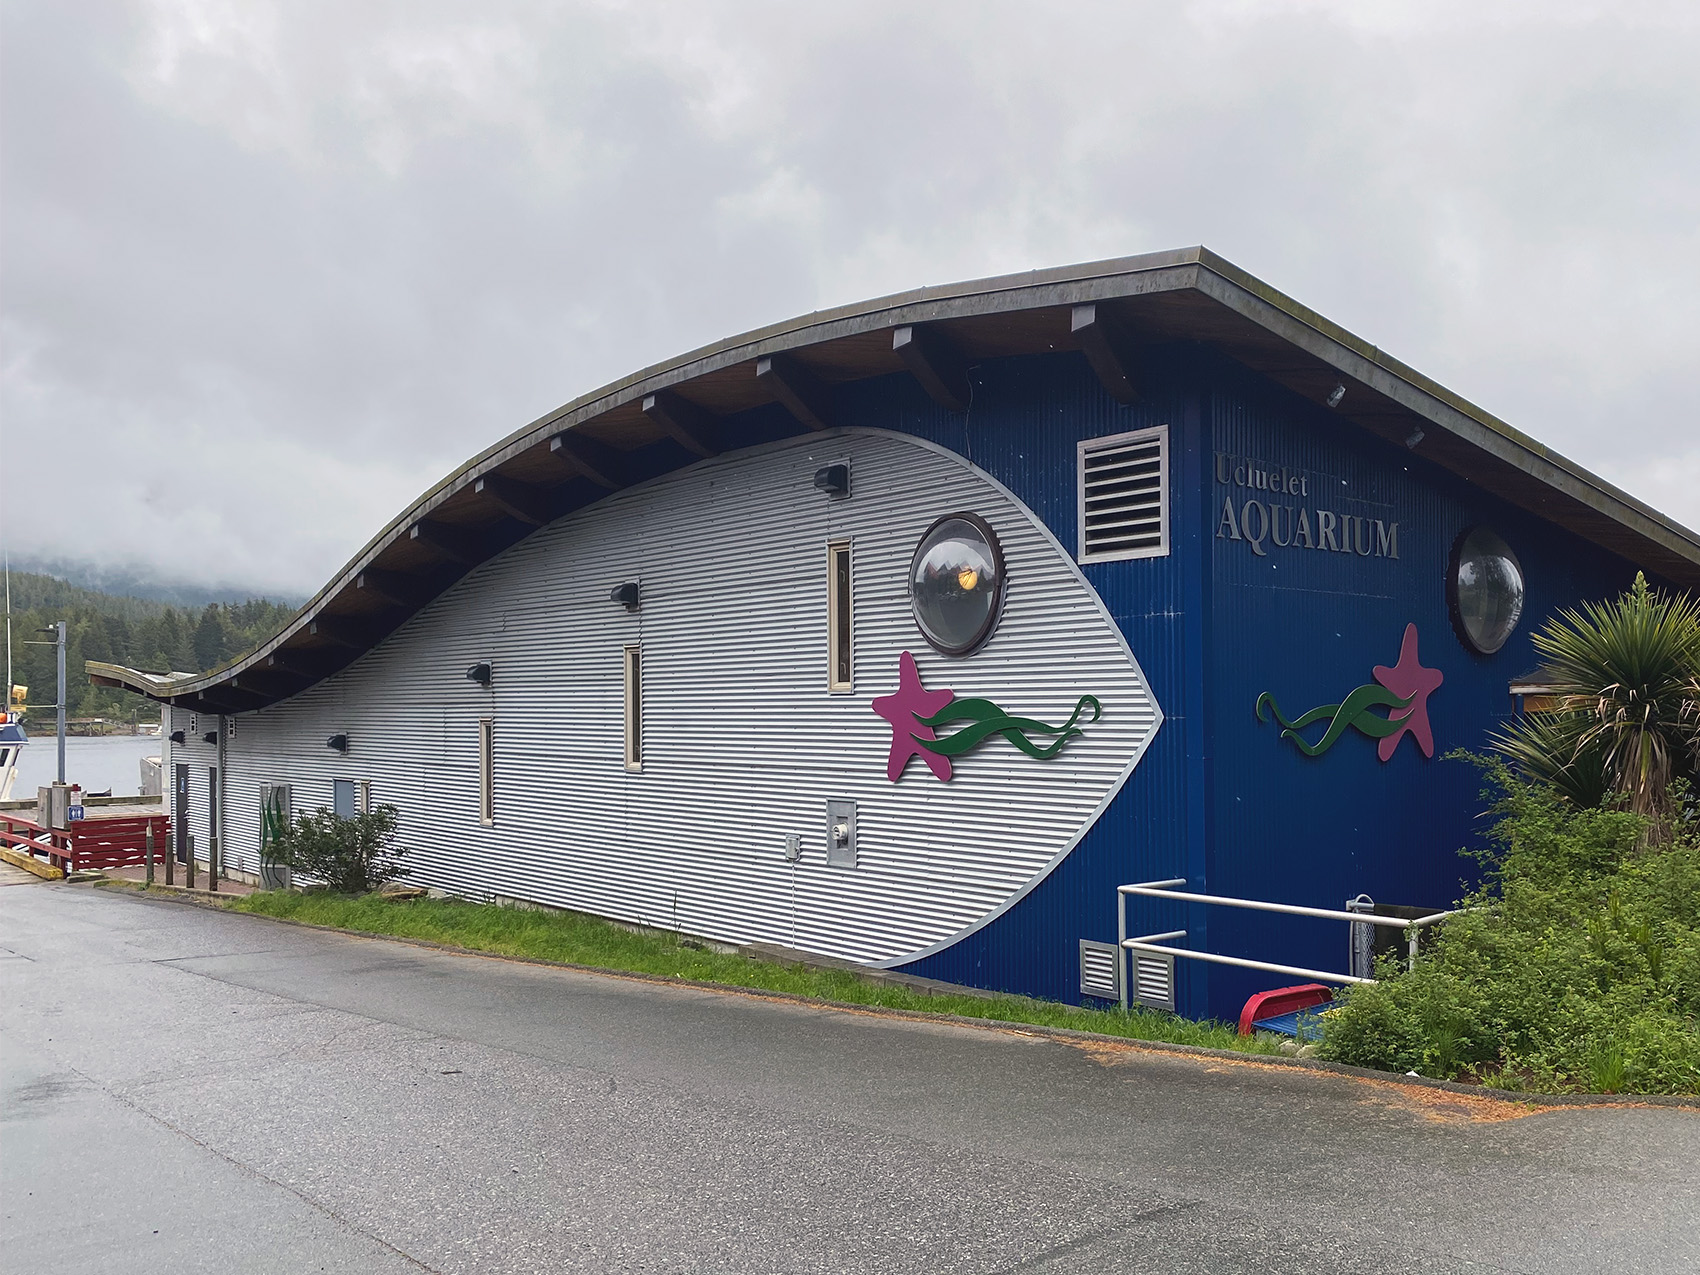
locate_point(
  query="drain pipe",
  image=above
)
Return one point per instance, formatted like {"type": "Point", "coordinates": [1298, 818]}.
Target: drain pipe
{"type": "Point", "coordinates": [215, 852]}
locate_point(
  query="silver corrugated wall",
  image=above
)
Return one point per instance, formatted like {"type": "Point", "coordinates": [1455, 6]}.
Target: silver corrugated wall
{"type": "Point", "coordinates": [742, 741]}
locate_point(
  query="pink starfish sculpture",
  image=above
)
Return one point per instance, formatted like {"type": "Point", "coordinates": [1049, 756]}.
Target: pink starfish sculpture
{"type": "Point", "coordinates": [1408, 678]}
{"type": "Point", "coordinates": [903, 710]}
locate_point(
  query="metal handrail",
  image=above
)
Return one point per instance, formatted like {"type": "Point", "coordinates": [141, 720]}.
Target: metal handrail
{"type": "Point", "coordinates": [1298, 971]}
{"type": "Point", "coordinates": [1166, 890]}
{"type": "Point", "coordinates": [1156, 890]}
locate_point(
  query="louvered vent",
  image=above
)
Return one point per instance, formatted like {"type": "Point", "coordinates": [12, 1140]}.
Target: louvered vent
{"type": "Point", "coordinates": [1100, 971]}
{"type": "Point", "coordinates": [1124, 496]}
{"type": "Point", "coordinates": [1154, 980]}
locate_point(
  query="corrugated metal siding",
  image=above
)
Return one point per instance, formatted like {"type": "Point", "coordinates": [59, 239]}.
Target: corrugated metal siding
{"type": "Point", "coordinates": [201, 757]}
{"type": "Point", "coordinates": [743, 744]}
{"type": "Point", "coordinates": [1028, 415]}
{"type": "Point", "coordinates": [1309, 626]}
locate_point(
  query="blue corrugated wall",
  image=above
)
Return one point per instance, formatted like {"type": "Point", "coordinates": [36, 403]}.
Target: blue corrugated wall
{"type": "Point", "coordinates": [1309, 626]}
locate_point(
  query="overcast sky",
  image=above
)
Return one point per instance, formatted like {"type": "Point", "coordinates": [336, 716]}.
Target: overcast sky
{"type": "Point", "coordinates": [270, 270]}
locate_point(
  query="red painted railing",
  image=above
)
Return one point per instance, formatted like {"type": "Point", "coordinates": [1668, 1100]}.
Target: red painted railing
{"type": "Point", "coordinates": [119, 842]}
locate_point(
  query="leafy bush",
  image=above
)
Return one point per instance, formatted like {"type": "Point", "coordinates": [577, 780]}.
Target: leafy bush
{"type": "Point", "coordinates": [351, 856]}
{"type": "Point", "coordinates": [1577, 967]}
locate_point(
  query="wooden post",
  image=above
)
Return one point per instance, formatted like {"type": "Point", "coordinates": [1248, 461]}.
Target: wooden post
{"type": "Point", "coordinates": [189, 868]}
{"type": "Point", "coordinates": [150, 851]}
{"type": "Point", "coordinates": [170, 861]}
{"type": "Point", "coordinates": [212, 858]}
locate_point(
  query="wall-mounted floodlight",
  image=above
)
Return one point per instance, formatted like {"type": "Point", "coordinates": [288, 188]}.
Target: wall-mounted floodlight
{"type": "Point", "coordinates": [177, 737]}
{"type": "Point", "coordinates": [834, 480]}
{"type": "Point", "coordinates": [1414, 437]}
{"type": "Point", "coordinates": [626, 595]}
{"type": "Point", "coordinates": [1335, 395]}
{"type": "Point", "coordinates": [338, 742]}
{"type": "Point", "coordinates": [210, 736]}
{"type": "Point", "coordinates": [480, 673]}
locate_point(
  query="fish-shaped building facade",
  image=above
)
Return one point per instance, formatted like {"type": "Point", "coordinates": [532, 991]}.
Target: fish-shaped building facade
{"type": "Point", "coordinates": [905, 633]}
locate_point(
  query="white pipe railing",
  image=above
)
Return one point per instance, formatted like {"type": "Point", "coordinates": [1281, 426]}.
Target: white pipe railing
{"type": "Point", "coordinates": [1298, 971]}
{"type": "Point", "coordinates": [1166, 890]}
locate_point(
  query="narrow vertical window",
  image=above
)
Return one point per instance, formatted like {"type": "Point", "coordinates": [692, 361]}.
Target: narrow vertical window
{"type": "Point", "coordinates": [840, 666]}
{"type": "Point", "coordinates": [634, 708]}
{"type": "Point", "coordinates": [487, 771]}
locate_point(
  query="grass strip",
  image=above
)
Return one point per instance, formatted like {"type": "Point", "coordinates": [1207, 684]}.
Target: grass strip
{"type": "Point", "coordinates": [578, 939]}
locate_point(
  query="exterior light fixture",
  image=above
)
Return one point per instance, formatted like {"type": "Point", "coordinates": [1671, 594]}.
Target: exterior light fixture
{"type": "Point", "coordinates": [177, 737]}
{"type": "Point", "coordinates": [626, 595]}
{"type": "Point", "coordinates": [480, 673]}
{"type": "Point", "coordinates": [1414, 437]}
{"type": "Point", "coordinates": [1335, 395]}
{"type": "Point", "coordinates": [338, 742]}
{"type": "Point", "coordinates": [210, 737]}
{"type": "Point", "coordinates": [834, 480]}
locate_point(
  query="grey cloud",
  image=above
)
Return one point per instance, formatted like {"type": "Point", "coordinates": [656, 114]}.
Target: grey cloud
{"type": "Point", "coordinates": [272, 269]}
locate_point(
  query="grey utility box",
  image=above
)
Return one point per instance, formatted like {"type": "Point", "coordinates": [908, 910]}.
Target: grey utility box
{"type": "Point", "coordinates": [53, 806]}
{"type": "Point", "coordinates": [840, 833]}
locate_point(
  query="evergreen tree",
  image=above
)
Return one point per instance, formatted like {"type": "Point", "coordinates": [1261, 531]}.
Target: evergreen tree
{"type": "Point", "coordinates": [135, 632]}
{"type": "Point", "coordinates": [211, 641]}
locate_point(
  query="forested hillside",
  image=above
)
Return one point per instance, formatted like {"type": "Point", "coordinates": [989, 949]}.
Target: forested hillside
{"type": "Point", "coordinates": [124, 630]}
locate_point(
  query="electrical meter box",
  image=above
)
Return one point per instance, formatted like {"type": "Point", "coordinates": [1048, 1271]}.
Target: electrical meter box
{"type": "Point", "coordinates": [840, 833]}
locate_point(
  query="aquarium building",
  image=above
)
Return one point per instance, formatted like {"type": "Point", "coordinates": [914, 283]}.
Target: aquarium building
{"type": "Point", "coordinates": [907, 632]}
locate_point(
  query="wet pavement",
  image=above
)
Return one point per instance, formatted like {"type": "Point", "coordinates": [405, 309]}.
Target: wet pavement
{"type": "Point", "coordinates": [11, 874]}
{"type": "Point", "coordinates": [185, 1090]}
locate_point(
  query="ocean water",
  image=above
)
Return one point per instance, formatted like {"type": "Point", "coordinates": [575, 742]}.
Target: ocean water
{"type": "Point", "coordinates": [97, 762]}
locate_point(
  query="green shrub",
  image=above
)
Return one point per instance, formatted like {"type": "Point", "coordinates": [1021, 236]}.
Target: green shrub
{"type": "Point", "coordinates": [351, 856]}
{"type": "Point", "coordinates": [1577, 966]}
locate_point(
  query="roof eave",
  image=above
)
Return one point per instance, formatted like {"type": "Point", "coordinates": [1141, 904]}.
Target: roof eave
{"type": "Point", "coordinates": [1196, 269]}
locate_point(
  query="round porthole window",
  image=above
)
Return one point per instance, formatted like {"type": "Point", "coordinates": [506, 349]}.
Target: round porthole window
{"type": "Point", "coordinates": [1484, 590]}
{"type": "Point", "coordinates": [956, 584]}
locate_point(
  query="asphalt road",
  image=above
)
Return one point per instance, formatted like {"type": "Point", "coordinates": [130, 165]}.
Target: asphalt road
{"type": "Point", "coordinates": [185, 1090]}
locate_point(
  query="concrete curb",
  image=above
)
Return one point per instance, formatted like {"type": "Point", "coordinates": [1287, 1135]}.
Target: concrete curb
{"type": "Point", "coordinates": [1065, 1034]}
{"type": "Point", "coordinates": [29, 863]}
{"type": "Point", "coordinates": [188, 894]}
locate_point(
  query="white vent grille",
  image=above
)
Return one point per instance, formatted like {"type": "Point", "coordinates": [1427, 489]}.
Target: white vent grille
{"type": "Point", "coordinates": [1100, 970]}
{"type": "Point", "coordinates": [1154, 980]}
{"type": "Point", "coordinates": [1124, 496]}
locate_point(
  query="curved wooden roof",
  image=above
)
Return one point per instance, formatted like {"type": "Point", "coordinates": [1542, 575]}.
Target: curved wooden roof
{"type": "Point", "coordinates": [667, 416]}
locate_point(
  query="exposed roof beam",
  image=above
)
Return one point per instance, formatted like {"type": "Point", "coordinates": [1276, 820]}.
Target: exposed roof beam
{"type": "Point", "coordinates": [391, 588]}
{"type": "Point", "coordinates": [797, 388]}
{"type": "Point", "coordinates": [341, 632]}
{"type": "Point", "coordinates": [936, 364]}
{"type": "Point", "coordinates": [596, 461]}
{"type": "Point", "coordinates": [449, 542]}
{"type": "Point", "coordinates": [531, 505]}
{"type": "Point", "coordinates": [229, 697]}
{"type": "Point", "coordinates": [694, 428]}
{"type": "Point", "coordinates": [1109, 351]}
{"type": "Point", "coordinates": [297, 664]}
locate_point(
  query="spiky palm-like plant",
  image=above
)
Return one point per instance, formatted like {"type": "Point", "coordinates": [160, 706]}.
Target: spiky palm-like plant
{"type": "Point", "coordinates": [1626, 677]}
{"type": "Point", "coordinates": [1546, 747]}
